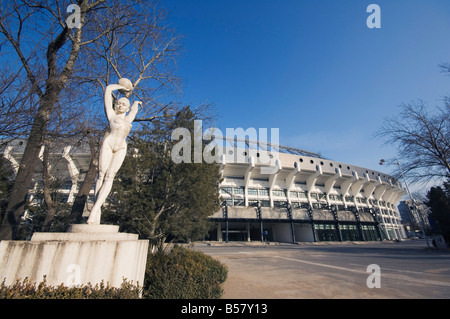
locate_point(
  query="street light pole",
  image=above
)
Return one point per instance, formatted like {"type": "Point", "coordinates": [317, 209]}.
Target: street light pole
{"type": "Point", "coordinates": [416, 211]}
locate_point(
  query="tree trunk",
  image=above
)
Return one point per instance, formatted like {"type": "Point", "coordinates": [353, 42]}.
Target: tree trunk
{"type": "Point", "coordinates": [47, 101]}
{"type": "Point", "coordinates": [46, 177]}
{"type": "Point", "coordinates": [30, 159]}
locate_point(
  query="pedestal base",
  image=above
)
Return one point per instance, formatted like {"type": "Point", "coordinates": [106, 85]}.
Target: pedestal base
{"type": "Point", "coordinates": [85, 254]}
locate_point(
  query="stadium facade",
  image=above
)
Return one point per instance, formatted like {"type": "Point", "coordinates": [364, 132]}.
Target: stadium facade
{"type": "Point", "coordinates": [305, 197]}
{"type": "Point", "coordinates": [298, 196]}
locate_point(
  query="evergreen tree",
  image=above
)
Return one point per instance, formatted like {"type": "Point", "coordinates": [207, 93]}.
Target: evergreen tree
{"type": "Point", "coordinates": [439, 203]}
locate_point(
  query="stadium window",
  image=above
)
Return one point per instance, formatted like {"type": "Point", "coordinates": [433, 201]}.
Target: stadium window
{"type": "Point", "coordinates": [278, 192]}
{"type": "Point", "coordinates": [239, 202]}
{"type": "Point", "coordinates": [252, 202]}
{"type": "Point", "coordinates": [293, 194]}
{"type": "Point", "coordinates": [227, 190]}
{"type": "Point", "coordinates": [265, 203]}
{"type": "Point", "coordinates": [238, 191]}
{"type": "Point", "coordinates": [301, 194]}
{"type": "Point", "coordinates": [252, 191]}
{"type": "Point", "coordinates": [279, 204]}
{"type": "Point", "coordinates": [295, 204]}
{"type": "Point", "coordinates": [263, 192]}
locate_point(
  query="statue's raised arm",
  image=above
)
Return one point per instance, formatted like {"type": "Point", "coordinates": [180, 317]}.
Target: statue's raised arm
{"type": "Point", "coordinates": [109, 110]}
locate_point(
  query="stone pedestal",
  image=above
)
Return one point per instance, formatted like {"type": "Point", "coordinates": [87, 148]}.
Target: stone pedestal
{"type": "Point", "coordinates": [85, 254]}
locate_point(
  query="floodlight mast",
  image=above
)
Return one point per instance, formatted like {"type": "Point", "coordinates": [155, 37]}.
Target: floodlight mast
{"type": "Point", "coordinates": [415, 209]}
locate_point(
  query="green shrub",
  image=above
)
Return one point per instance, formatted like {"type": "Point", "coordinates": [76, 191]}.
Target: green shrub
{"type": "Point", "coordinates": [27, 289]}
{"type": "Point", "coordinates": [183, 274]}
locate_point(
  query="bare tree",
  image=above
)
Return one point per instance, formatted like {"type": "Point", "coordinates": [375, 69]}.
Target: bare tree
{"type": "Point", "coordinates": [423, 140]}
{"type": "Point", "coordinates": [113, 39]}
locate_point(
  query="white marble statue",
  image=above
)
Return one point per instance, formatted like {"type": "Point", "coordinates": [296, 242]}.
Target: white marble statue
{"type": "Point", "coordinates": [114, 146]}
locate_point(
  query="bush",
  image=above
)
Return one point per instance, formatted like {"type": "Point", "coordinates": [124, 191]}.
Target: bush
{"type": "Point", "coordinates": [183, 274]}
{"type": "Point", "coordinates": [27, 289]}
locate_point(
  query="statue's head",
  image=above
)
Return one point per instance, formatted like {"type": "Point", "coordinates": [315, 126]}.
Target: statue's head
{"type": "Point", "coordinates": [122, 105]}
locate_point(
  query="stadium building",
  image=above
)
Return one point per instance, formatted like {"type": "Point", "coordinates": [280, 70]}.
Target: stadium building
{"type": "Point", "coordinates": [298, 196]}
{"type": "Point", "coordinates": [304, 198]}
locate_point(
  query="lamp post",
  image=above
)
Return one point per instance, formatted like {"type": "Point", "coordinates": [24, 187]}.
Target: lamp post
{"type": "Point", "coordinates": [415, 210]}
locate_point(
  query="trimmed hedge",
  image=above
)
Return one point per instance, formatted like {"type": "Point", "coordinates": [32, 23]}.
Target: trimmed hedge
{"type": "Point", "coordinates": [183, 274]}
{"type": "Point", "coordinates": [29, 290]}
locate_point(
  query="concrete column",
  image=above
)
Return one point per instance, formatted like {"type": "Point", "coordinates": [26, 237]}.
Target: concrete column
{"type": "Point", "coordinates": [9, 157]}
{"type": "Point", "coordinates": [330, 183]}
{"type": "Point", "coordinates": [273, 179]}
{"type": "Point", "coordinates": [73, 171]}
{"type": "Point", "coordinates": [345, 186]}
{"type": "Point", "coordinates": [311, 181]}
{"type": "Point", "coordinates": [247, 177]}
{"type": "Point", "coordinates": [290, 180]}
{"type": "Point", "coordinates": [219, 231]}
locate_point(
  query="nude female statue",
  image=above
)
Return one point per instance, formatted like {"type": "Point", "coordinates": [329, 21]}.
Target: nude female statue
{"type": "Point", "coordinates": [114, 146]}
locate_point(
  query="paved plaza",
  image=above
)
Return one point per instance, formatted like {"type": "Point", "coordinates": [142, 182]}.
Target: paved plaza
{"type": "Point", "coordinates": [406, 269]}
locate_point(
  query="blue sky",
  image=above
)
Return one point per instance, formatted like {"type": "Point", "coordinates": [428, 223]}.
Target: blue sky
{"type": "Point", "coordinates": [313, 69]}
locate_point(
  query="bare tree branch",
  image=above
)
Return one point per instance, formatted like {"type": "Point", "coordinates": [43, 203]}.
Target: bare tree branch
{"type": "Point", "coordinates": [422, 138]}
